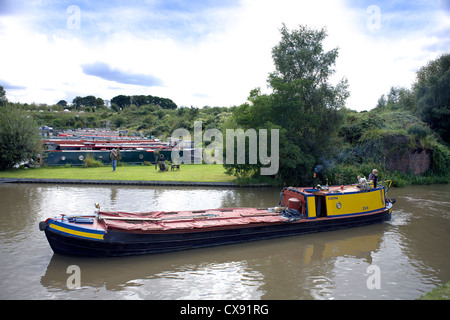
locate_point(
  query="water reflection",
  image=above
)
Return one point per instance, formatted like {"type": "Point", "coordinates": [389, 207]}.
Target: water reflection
{"type": "Point", "coordinates": [159, 276]}
{"type": "Point", "coordinates": [276, 269]}
{"type": "Point", "coordinates": [410, 250]}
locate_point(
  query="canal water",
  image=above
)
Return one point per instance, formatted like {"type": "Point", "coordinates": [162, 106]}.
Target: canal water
{"type": "Point", "coordinates": [399, 259]}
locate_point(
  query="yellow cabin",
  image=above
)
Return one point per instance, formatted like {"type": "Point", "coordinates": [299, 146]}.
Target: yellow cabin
{"type": "Point", "coordinates": [335, 201]}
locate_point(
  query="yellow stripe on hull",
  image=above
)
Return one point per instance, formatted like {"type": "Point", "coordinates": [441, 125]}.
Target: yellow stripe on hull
{"type": "Point", "coordinates": [77, 233]}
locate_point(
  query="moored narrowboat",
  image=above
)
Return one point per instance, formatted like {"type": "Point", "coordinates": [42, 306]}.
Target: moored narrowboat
{"type": "Point", "coordinates": [60, 152]}
{"type": "Point", "coordinates": [300, 211]}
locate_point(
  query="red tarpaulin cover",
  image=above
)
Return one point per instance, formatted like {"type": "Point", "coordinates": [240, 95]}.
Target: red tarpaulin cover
{"type": "Point", "coordinates": [185, 220]}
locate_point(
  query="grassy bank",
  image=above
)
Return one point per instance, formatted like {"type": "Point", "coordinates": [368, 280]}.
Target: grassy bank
{"type": "Point", "coordinates": [348, 173]}
{"type": "Point", "coordinates": [198, 173]}
{"type": "Point", "coordinates": [440, 293]}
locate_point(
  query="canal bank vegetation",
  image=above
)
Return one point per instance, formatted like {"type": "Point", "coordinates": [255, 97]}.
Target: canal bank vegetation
{"type": "Point", "coordinates": [18, 136]}
{"type": "Point", "coordinates": [396, 142]}
{"type": "Point", "coordinates": [406, 136]}
{"type": "Point", "coordinates": [440, 293]}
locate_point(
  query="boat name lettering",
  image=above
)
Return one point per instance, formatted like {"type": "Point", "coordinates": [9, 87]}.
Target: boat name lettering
{"type": "Point", "coordinates": [333, 198]}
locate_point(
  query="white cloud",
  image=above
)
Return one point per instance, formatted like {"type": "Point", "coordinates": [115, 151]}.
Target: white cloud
{"type": "Point", "coordinates": [212, 56]}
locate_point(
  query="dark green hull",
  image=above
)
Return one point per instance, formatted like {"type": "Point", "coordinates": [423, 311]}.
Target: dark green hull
{"type": "Point", "coordinates": [77, 157]}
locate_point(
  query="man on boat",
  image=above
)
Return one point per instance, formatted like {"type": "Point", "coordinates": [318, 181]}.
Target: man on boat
{"type": "Point", "coordinates": [374, 177]}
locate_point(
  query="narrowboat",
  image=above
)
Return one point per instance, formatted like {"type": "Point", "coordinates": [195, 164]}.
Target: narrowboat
{"type": "Point", "coordinates": [300, 211]}
{"type": "Point", "coordinates": [60, 152]}
{"type": "Point", "coordinates": [77, 157]}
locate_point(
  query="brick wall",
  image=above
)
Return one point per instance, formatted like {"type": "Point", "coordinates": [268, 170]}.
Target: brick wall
{"type": "Point", "coordinates": [417, 161]}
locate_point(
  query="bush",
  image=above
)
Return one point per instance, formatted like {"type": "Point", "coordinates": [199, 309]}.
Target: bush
{"type": "Point", "coordinates": [398, 179]}
{"type": "Point", "coordinates": [90, 162]}
{"type": "Point", "coordinates": [440, 160]}
{"type": "Point", "coordinates": [341, 174]}
{"type": "Point", "coordinates": [418, 131]}
{"type": "Point", "coordinates": [19, 138]}
{"type": "Point", "coordinates": [348, 173]}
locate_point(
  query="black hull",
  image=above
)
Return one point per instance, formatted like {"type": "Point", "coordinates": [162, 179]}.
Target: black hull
{"type": "Point", "coordinates": [119, 243]}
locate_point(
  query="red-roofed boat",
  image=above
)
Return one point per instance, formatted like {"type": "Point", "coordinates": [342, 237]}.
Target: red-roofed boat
{"type": "Point", "coordinates": [300, 211]}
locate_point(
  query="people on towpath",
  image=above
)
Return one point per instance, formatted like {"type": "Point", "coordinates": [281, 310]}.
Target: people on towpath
{"type": "Point", "coordinates": [113, 155]}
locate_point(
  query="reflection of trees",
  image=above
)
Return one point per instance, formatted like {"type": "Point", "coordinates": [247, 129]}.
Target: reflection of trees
{"type": "Point", "coordinates": [21, 207]}
{"type": "Point", "coordinates": [299, 259]}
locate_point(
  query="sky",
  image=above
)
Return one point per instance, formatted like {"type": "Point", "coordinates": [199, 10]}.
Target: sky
{"type": "Point", "coordinates": [207, 52]}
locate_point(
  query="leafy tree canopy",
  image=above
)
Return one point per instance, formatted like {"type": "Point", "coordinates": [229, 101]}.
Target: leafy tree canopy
{"type": "Point", "coordinates": [3, 99]}
{"type": "Point", "coordinates": [19, 137]}
{"type": "Point", "coordinates": [432, 91]}
{"type": "Point", "coordinates": [123, 101]}
{"type": "Point", "coordinates": [304, 104]}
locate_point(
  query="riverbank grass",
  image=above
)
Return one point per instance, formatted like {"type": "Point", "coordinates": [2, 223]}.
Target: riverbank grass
{"type": "Point", "coordinates": [187, 173]}
{"type": "Point", "coordinates": [440, 293]}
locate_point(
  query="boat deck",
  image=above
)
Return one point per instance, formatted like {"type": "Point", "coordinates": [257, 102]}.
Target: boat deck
{"type": "Point", "coordinates": [331, 190]}
{"type": "Point", "coordinates": [185, 220]}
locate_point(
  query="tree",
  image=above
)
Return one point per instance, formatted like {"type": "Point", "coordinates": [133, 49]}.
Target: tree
{"type": "Point", "coordinates": [432, 92]}
{"type": "Point", "coordinates": [62, 103]}
{"type": "Point", "coordinates": [19, 137]}
{"type": "Point", "coordinates": [99, 103]}
{"type": "Point", "coordinates": [88, 101]}
{"type": "Point", "coordinates": [300, 55]}
{"type": "Point", "coordinates": [397, 98]}
{"type": "Point", "coordinates": [304, 104]}
{"type": "Point", "coordinates": [3, 99]}
{"type": "Point", "coordinates": [78, 101]}
{"type": "Point", "coordinates": [121, 101]}
{"type": "Point", "coordinates": [139, 100]}
{"type": "Point", "coordinates": [382, 103]}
